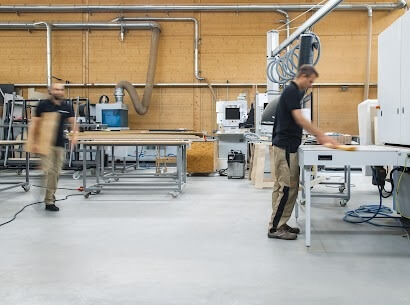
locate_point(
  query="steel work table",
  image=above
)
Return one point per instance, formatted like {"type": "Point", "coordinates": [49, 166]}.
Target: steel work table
{"type": "Point", "coordinates": [11, 184]}
{"type": "Point", "coordinates": [371, 155]}
{"type": "Point", "coordinates": [110, 180]}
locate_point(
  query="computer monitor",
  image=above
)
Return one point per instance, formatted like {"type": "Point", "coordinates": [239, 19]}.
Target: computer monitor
{"type": "Point", "coordinates": [115, 117]}
{"type": "Point", "coordinates": [232, 114]}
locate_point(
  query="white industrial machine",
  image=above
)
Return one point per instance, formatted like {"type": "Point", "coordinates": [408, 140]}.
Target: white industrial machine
{"type": "Point", "coordinates": [115, 115]}
{"type": "Point", "coordinates": [229, 114]}
{"type": "Point", "coordinates": [394, 83]}
{"type": "Point", "coordinates": [393, 118]}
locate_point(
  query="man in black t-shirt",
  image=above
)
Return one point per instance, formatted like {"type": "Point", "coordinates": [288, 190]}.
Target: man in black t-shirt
{"type": "Point", "coordinates": [53, 161]}
{"type": "Point", "coordinates": [286, 139]}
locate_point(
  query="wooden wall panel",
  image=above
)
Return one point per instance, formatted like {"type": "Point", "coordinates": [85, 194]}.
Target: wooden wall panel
{"type": "Point", "coordinates": [338, 109]}
{"type": "Point", "coordinates": [232, 49]}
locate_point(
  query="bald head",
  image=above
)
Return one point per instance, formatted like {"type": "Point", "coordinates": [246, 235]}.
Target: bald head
{"type": "Point", "coordinates": [56, 91]}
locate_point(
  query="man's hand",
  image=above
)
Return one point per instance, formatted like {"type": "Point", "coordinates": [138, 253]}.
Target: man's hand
{"type": "Point", "coordinates": [324, 139]}
{"type": "Point", "coordinates": [73, 139]}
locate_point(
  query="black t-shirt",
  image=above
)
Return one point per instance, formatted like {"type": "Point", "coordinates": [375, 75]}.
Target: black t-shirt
{"type": "Point", "coordinates": [287, 134]}
{"type": "Point", "coordinates": [65, 112]}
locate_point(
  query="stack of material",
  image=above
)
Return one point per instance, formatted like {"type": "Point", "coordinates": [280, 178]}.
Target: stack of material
{"type": "Point", "coordinates": [202, 157]}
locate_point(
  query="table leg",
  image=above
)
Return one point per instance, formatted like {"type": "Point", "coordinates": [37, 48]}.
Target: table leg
{"type": "Point", "coordinates": [27, 167]}
{"type": "Point", "coordinates": [84, 167]}
{"type": "Point", "coordinates": [306, 174]}
{"type": "Point", "coordinates": [137, 158]}
{"type": "Point", "coordinates": [184, 162]}
{"type": "Point", "coordinates": [97, 164]}
{"type": "Point", "coordinates": [179, 167]}
{"type": "Point", "coordinates": [112, 161]}
{"type": "Point", "coordinates": [102, 158]}
{"type": "Point", "coordinates": [348, 176]}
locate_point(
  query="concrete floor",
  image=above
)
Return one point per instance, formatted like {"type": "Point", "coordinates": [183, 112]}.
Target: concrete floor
{"type": "Point", "coordinates": [208, 246]}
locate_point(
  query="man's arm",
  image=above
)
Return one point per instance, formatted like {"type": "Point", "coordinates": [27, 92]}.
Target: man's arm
{"type": "Point", "coordinates": [312, 129]}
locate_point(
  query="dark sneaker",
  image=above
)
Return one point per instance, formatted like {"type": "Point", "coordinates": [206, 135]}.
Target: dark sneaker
{"type": "Point", "coordinates": [281, 233]}
{"type": "Point", "coordinates": [290, 229]}
{"type": "Point", "coordinates": [52, 208]}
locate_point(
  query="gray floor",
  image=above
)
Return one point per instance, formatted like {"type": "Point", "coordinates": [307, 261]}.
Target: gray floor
{"type": "Point", "coordinates": [208, 246]}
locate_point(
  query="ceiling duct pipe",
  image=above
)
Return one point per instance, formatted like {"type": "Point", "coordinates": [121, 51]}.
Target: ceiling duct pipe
{"type": "Point", "coordinates": [189, 8]}
{"type": "Point", "coordinates": [174, 19]}
{"type": "Point", "coordinates": [141, 107]}
{"type": "Point", "coordinates": [369, 53]}
{"type": "Point", "coordinates": [316, 17]}
{"type": "Point", "coordinates": [48, 50]}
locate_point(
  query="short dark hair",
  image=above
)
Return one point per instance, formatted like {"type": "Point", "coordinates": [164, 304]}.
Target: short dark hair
{"type": "Point", "coordinates": [307, 70]}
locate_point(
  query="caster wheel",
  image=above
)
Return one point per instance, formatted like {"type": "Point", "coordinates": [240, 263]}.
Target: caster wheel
{"type": "Point", "coordinates": [87, 195]}
{"type": "Point", "coordinates": [76, 175]}
{"type": "Point", "coordinates": [19, 172]}
{"type": "Point", "coordinates": [26, 188]}
{"type": "Point", "coordinates": [302, 202]}
{"type": "Point", "coordinates": [343, 202]}
{"type": "Point", "coordinates": [93, 171]}
{"type": "Point", "coordinates": [116, 179]}
{"type": "Point", "coordinates": [341, 189]}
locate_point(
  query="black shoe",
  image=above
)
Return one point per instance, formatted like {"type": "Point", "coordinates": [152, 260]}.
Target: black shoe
{"type": "Point", "coordinates": [290, 229]}
{"type": "Point", "coordinates": [52, 208]}
{"type": "Point", "coordinates": [281, 233]}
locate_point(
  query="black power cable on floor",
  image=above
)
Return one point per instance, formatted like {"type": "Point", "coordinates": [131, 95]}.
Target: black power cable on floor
{"type": "Point", "coordinates": [34, 203]}
{"type": "Point", "coordinates": [367, 213]}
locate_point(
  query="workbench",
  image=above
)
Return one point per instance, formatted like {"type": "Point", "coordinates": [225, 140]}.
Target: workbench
{"type": "Point", "coordinates": [11, 184]}
{"type": "Point", "coordinates": [311, 155]}
{"type": "Point", "coordinates": [174, 182]}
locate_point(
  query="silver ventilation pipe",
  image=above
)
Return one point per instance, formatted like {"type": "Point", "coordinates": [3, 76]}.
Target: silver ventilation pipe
{"type": "Point", "coordinates": [189, 8]}
{"type": "Point", "coordinates": [81, 25]}
{"type": "Point", "coordinates": [49, 52]}
{"type": "Point", "coordinates": [287, 23]}
{"type": "Point", "coordinates": [369, 53]}
{"type": "Point", "coordinates": [322, 12]}
{"type": "Point", "coordinates": [173, 19]}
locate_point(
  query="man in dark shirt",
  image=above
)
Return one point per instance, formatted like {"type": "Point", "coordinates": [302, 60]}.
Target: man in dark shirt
{"type": "Point", "coordinates": [286, 139]}
{"type": "Point", "coordinates": [53, 161]}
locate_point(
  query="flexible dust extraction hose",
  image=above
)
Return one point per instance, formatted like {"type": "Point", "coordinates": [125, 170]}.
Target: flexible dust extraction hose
{"type": "Point", "coordinates": [141, 107]}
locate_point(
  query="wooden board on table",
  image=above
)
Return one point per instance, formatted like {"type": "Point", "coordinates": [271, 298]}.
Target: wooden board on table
{"type": "Point", "coordinates": [46, 133]}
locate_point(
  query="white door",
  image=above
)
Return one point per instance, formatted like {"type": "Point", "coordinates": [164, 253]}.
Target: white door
{"type": "Point", "coordinates": [389, 84]}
